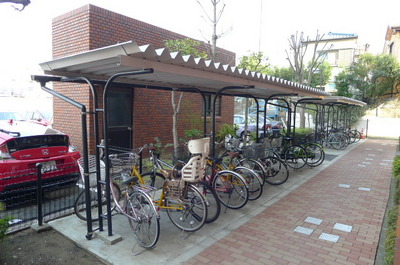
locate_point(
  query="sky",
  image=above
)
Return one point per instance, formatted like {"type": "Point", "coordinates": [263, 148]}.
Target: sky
{"type": "Point", "coordinates": [248, 26]}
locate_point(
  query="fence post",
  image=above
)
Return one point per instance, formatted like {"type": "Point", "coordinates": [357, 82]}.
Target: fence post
{"type": "Point", "coordinates": [39, 194]}
{"type": "Point", "coordinates": [39, 227]}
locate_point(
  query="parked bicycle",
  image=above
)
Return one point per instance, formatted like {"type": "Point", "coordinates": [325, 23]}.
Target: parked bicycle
{"type": "Point", "coordinates": [210, 196]}
{"type": "Point", "coordinates": [271, 169]}
{"type": "Point", "coordinates": [183, 202]}
{"type": "Point", "coordinates": [129, 199]}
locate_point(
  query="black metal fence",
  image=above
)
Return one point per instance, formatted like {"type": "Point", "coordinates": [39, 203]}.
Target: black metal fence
{"type": "Point", "coordinates": [37, 203]}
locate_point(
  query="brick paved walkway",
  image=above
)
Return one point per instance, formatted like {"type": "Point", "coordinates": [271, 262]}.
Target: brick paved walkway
{"type": "Point", "coordinates": [334, 218]}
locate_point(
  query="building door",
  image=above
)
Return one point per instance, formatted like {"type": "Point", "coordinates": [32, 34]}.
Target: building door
{"type": "Point", "coordinates": [120, 108]}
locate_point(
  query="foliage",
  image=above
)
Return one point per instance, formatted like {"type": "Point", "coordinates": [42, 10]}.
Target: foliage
{"type": "Point", "coordinates": [255, 62]}
{"type": "Point", "coordinates": [370, 79]}
{"type": "Point", "coordinates": [186, 47]}
{"type": "Point", "coordinates": [160, 147]}
{"type": "Point", "coordinates": [303, 72]}
{"type": "Point", "coordinates": [303, 131]}
{"type": "Point", "coordinates": [224, 130]}
{"type": "Point", "coordinates": [390, 241]}
{"type": "Point", "coordinates": [396, 167]}
{"type": "Point", "coordinates": [392, 215]}
{"type": "Point", "coordinates": [321, 75]}
{"type": "Point", "coordinates": [285, 73]}
{"type": "Point", "coordinates": [4, 224]}
{"type": "Point", "coordinates": [193, 134]}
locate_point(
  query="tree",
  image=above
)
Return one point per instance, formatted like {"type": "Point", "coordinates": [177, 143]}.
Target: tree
{"type": "Point", "coordinates": [214, 19]}
{"type": "Point", "coordinates": [24, 3]}
{"type": "Point", "coordinates": [186, 47]}
{"type": "Point", "coordinates": [321, 75]}
{"type": "Point", "coordinates": [303, 73]}
{"type": "Point", "coordinates": [255, 62]}
{"type": "Point", "coordinates": [371, 79]}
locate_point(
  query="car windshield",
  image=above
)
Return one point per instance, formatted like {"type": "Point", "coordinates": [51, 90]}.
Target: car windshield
{"type": "Point", "coordinates": [10, 115]}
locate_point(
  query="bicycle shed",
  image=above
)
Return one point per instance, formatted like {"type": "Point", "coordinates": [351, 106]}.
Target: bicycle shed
{"type": "Point", "coordinates": [146, 67]}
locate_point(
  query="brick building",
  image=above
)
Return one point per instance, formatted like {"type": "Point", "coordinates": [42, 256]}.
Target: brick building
{"type": "Point", "coordinates": [91, 27]}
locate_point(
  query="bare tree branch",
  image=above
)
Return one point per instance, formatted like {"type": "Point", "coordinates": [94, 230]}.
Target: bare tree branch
{"type": "Point", "coordinates": [24, 3]}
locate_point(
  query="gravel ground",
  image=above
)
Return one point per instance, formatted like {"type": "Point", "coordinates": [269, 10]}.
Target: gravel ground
{"type": "Point", "coordinates": [45, 248]}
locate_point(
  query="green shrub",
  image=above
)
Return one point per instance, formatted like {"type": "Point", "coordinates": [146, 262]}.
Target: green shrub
{"type": "Point", "coordinates": [224, 130]}
{"type": "Point", "coordinates": [4, 224]}
{"type": "Point", "coordinates": [391, 235]}
{"type": "Point", "coordinates": [396, 167]}
{"type": "Point", "coordinates": [193, 134]}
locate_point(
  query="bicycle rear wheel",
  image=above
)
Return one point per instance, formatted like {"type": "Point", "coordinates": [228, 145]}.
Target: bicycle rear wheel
{"type": "Point", "coordinates": [231, 189]}
{"type": "Point", "coordinates": [212, 202]}
{"type": "Point", "coordinates": [295, 157]}
{"type": "Point", "coordinates": [143, 219]}
{"type": "Point", "coordinates": [315, 154]}
{"type": "Point", "coordinates": [188, 212]}
{"type": "Point", "coordinates": [276, 171]}
{"type": "Point", "coordinates": [253, 181]}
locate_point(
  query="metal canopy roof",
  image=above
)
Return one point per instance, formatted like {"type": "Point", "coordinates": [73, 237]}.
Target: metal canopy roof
{"type": "Point", "coordinates": [171, 70]}
{"type": "Point", "coordinates": [331, 100]}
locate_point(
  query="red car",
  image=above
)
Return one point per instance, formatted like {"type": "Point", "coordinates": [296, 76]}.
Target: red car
{"type": "Point", "coordinates": [22, 146]}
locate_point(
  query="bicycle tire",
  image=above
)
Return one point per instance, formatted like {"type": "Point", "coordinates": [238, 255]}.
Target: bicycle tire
{"type": "Point", "coordinates": [254, 165]}
{"type": "Point", "coordinates": [253, 181]}
{"type": "Point", "coordinates": [356, 136]}
{"type": "Point", "coordinates": [153, 179]}
{"type": "Point", "coordinates": [212, 201]}
{"type": "Point", "coordinates": [143, 219]}
{"type": "Point", "coordinates": [315, 154]}
{"type": "Point", "coordinates": [80, 203]}
{"type": "Point", "coordinates": [189, 212]}
{"type": "Point", "coordinates": [231, 189]}
{"type": "Point", "coordinates": [295, 157]}
{"type": "Point", "coordinates": [276, 171]}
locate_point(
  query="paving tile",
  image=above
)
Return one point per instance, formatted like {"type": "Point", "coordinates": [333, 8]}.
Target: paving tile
{"type": "Point", "coordinates": [313, 220]}
{"type": "Point", "coordinates": [329, 237]}
{"type": "Point", "coordinates": [364, 189]}
{"type": "Point", "coordinates": [303, 230]}
{"type": "Point", "coordinates": [343, 227]}
{"type": "Point", "coordinates": [344, 186]}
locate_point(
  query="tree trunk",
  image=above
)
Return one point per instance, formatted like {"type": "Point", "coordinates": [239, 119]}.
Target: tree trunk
{"type": "Point", "coordinates": [176, 108]}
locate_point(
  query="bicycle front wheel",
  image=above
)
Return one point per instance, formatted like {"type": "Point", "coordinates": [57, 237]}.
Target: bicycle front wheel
{"type": "Point", "coordinates": [189, 211]}
{"type": "Point", "coordinates": [254, 165]}
{"type": "Point", "coordinates": [80, 203]}
{"type": "Point", "coordinates": [143, 219]}
{"type": "Point", "coordinates": [276, 171]}
{"type": "Point", "coordinates": [231, 189]}
{"type": "Point", "coordinates": [156, 180]}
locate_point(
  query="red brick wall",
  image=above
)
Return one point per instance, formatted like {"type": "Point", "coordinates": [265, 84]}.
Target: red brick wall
{"type": "Point", "coordinates": [91, 27]}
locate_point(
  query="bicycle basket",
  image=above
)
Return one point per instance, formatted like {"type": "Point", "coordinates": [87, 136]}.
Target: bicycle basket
{"type": "Point", "coordinates": [272, 142]}
{"type": "Point", "coordinates": [92, 170]}
{"type": "Point", "coordinates": [123, 162]}
{"type": "Point", "coordinates": [193, 169]}
{"type": "Point", "coordinates": [174, 189]}
{"type": "Point", "coordinates": [231, 143]}
{"type": "Point", "coordinates": [254, 151]}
